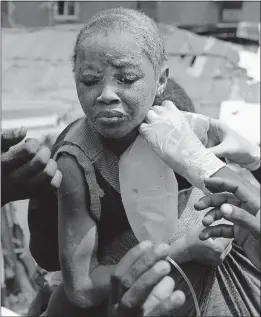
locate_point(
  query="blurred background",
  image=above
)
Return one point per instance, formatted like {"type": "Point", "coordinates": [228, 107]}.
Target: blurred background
{"type": "Point", "coordinates": [213, 51]}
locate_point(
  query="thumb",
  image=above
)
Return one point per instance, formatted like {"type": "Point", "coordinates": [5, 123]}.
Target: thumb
{"type": "Point", "coordinates": [241, 218]}
{"type": "Point", "coordinates": [12, 137]}
{"type": "Point", "coordinates": [219, 150]}
{"type": "Point", "coordinates": [143, 129]}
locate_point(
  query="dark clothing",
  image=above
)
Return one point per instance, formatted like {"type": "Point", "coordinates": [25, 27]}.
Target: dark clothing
{"type": "Point", "coordinates": [257, 175]}
{"type": "Point", "coordinates": [232, 289]}
{"type": "Point", "coordinates": [43, 216]}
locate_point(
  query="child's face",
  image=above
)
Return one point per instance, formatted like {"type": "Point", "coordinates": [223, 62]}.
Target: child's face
{"type": "Point", "coordinates": [116, 82]}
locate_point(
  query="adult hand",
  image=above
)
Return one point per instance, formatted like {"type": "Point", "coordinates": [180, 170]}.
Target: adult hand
{"type": "Point", "coordinates": [169, 134]}
{"type": "Point", "coordinates": [223, 141]}
{"type": "Point", "coordinates": [238, 204]}
{"type": "Point", "coordinates": [226, 142]}
{"type": "Point", "coordinates": [26, 168]}
{"type": "Point", "coordinates": [140, 285]}
{"type": "Point", "coordinates": [210, 252]}
{"type": "Point", "coordinates": [11, 137]}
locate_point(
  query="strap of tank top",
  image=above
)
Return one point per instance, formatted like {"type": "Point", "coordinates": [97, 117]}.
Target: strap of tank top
{"type": "Point", "coordinates": [94, 189]}
{"type": "Point", "coordinates": [60, 139]}
{"type": "Point", "coordinates": [83, 135]}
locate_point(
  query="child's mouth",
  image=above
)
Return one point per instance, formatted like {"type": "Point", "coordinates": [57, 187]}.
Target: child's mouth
{"type": "Point", "coordinates": [111, 116]}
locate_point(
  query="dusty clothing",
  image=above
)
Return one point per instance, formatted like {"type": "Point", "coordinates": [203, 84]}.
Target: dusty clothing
{"type": "Point", "coordinates": [232, 289]}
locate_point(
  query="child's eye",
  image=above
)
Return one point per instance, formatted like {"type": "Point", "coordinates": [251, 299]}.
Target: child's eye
{"type": "Point", "coordinates": [90, 80]}
{"type": "Point", "coordinates": [127, 80]}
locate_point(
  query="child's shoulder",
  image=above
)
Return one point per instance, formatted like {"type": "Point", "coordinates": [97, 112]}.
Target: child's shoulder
{"type": "Point", "coordinates": [61, 137]}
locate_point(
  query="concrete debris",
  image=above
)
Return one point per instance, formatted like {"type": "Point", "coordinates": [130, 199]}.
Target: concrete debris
{"type": "Point", "coordinates": [40, 70]}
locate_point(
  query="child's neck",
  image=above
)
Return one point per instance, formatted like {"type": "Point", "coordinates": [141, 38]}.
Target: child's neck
{"type": "Point", "coordinates": [119, 146]}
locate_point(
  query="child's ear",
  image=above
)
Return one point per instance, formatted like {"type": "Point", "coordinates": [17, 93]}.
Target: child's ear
{"type": "Point", "coordinates": [162, 81]}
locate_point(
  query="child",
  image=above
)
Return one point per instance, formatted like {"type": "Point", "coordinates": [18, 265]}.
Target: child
{"type": "Point", "coordinates": [119, 67]}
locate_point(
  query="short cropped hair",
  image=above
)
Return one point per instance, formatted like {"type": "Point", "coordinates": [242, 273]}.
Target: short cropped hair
{"type": "Point", "coordinates": [143, 28]}
{"type": "Point", "coordinates": [175, 93]}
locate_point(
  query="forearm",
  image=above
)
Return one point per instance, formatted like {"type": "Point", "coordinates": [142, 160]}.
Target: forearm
{"type": "Point", "coordinates": [85, 281]}
{"type": "Point", "coordinates": [91, 290]}
{"type": "Point", "coordinates": [100, 278]}
{"type": "Point", "coordinates": [179, 251]}
{"type": "Point", "coordinates": [228, 173]}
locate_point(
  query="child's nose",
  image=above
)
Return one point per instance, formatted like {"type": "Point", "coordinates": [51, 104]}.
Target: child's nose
{"type": "Point", "coordinates": [108, 95]}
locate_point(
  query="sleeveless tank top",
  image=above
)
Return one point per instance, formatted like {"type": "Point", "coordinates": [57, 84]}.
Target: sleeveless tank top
{"type": "Point", "coordinates": [221, 291]}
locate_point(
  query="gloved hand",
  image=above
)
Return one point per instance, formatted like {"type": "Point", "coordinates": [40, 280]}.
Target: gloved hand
{"type": "Point", "coordinates": [225, 142]}
{"type": "Point", "coordinates": [168, 132]}
{"type": "Point", "coordinates": [200, 125]}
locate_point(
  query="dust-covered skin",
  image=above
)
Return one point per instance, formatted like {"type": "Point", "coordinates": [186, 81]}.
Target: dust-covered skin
{"type": "Point", "coordinates": [116, 83]}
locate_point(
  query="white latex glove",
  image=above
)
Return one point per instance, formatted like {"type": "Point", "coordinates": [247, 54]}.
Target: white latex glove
{"type": "Point", "coordinates": [200, 125]}
{"type": "Point", "coordinates": [7, 312]}
{"type": "Point", "coordinates": [224, 141]}
{"type": "Point", "coordinates": [227, 143]}
{"type": "Point", "coordinates": [169, 134]}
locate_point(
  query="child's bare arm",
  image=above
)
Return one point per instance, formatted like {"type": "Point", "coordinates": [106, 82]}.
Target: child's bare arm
{"type": "Point", "coordinates": [86, 282]}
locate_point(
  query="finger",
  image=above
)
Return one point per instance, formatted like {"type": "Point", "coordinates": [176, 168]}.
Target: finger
{"type": "Point", "coordinates": [159, 293]}
{"type": "Point", "coordinates": [242, 218]}
{"type": "Point", "coordinates": [19, 155]}
{"type": "Point", "coordinates": [140, 290]}
{"type": "Point", "coordinates": [32, 168]}
{"type": "Point", "coordinates": [151, 117]}
{"type": "Point", "coordinates": [214, 200]}
{"type": "Point", "coordinates": [188, 115]}
{"type": "Point", "coordinates": [211, 216]}
{"type": "Point", "coordinates": [157, 109]}
{"type": "Point", "coordinates": [239, 190]}
{"type": "Point", "coordinates": [170, 105]}
{"type": "Point", "coordinates": [125, 263]}
{"type": "Point", "coordinates": [219, 149]}
{"type": "Point", "coordinates": [143, 129]}
{"type": "Point", "coordinates": [57, 180]}
{"type": "Point", "coordinates": [144, 263]}
{"type": "Point", "coordinates": [221, 185]}
{"type": "Point", "coordinates": [218, 231]}
{"type": "Point", "coordinates": [170, 305]}
{"type": "Point", "coordinates": [132, 256]}
{"type": "Point", "coordinates": [12, 137]}
{"type": "Point", "coordinates": [164, 288]}
{"type": "Point", "coordinates": [44, 178]}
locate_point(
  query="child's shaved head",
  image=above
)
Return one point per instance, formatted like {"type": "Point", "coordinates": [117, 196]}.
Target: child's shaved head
{"type": "Point", "coordinates": [143, 28]}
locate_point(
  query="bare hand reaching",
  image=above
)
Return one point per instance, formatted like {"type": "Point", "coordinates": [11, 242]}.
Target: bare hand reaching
{"type": "Point", "coordinates": [26, 167]}
{"type": "Point", "coordinates": [238, 204]}
{"type": "Point", "coordinates": [141, 286]}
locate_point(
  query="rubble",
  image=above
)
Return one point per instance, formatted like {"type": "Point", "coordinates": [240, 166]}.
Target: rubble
{"type": "Point", "coordinates": [222, 79]}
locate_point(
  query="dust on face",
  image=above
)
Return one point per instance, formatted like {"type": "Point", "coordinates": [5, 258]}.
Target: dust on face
{"type": "Point", "coordinates": [115, 81]}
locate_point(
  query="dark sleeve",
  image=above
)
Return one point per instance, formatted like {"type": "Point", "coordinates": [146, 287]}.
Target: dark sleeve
{"type": "Point", "coordinates": [257, 174]}
{"type": "Point", "coordinates": [43, 226]}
